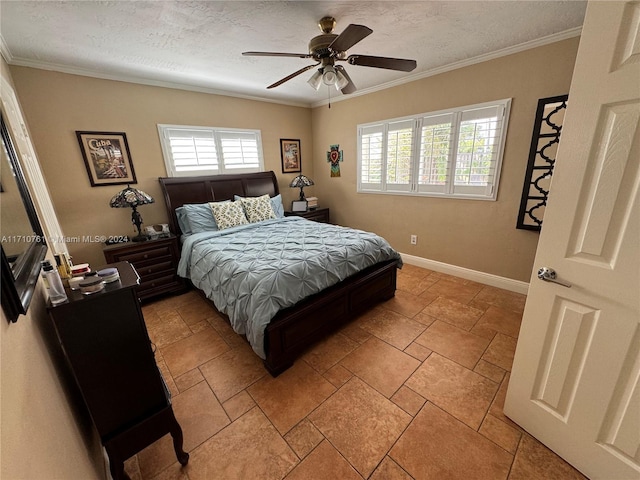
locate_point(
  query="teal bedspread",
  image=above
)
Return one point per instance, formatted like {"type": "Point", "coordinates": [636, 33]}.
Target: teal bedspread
{"type": "Point", "coordinates": [252, 271]}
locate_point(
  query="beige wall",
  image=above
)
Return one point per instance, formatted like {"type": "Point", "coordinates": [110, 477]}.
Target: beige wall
{"type": "Point", "coordinates": [479, 235]}
{"type": "Point", "coordinates": [41, 434]}
{"type": "Point", "coordinates": [58, 104]}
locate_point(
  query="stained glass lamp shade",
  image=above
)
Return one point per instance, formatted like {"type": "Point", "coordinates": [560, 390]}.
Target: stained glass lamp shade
{"type": "Point", "coordinates": [132, 197]}
{"type": "Point", "coordinates": [301, 181]}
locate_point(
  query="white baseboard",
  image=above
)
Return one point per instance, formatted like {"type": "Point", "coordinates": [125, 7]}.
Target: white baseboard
{"type": "Point", "coordinates": [480, 277]}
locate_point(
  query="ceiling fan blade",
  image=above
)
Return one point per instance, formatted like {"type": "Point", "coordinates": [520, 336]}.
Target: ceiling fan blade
{"type": "Point", "coordinates": [382, 62]}
{"type": "Point", "coordinates": [275, 54]}
{"type": "Point", "coordinates": [294, 74]}
{"type": "Point", "coordinates": [349, 37]}
{"type": "Point", "coordinates": [350, 87]}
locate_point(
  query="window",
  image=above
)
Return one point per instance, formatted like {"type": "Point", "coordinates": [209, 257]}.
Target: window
{"type": "Point", "coordinates": [209, 151]}
{"type": "Point", "coordinates": [453, 153]}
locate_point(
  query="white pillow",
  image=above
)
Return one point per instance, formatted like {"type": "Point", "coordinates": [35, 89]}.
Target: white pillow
{"type": "Point", "coordinates": [228, 214]}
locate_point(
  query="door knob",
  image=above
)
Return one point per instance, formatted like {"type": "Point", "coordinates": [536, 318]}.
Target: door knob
{"type": "Point", "coordinates": [549, 275]}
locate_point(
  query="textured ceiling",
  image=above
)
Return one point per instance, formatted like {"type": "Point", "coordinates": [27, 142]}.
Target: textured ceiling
{"type": "Point", "coordinates": [198, 44]}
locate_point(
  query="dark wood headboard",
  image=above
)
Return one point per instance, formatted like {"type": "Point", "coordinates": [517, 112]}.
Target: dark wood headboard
{"type": "Point", "coordinates": [179, 191]}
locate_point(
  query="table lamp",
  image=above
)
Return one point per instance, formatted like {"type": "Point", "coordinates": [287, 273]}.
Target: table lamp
{"type": "Point", "coordinates": [301, 181]}
{"type": "Point", "coordinates": [132, 197]}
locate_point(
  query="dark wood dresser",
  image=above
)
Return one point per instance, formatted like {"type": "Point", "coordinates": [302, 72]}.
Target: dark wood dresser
{"type": "Point", "coordinates": [106, 346]}
{"type": "Point", "coordinates": [156, 261]}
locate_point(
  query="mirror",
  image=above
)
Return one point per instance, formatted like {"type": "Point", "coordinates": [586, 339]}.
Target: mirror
{"type": "Point", "coordinates": [542, 158]}
{"type": "Point", "coordinates": [23, 243]}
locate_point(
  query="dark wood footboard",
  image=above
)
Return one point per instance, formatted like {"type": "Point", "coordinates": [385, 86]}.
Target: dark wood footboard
{"type": "Point", "coordinates": [293, 330]}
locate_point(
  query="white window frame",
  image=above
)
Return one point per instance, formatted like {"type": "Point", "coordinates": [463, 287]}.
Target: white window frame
{"type": "Point", "coordinates": [449, 189]}
{"type": "Point", "coordinates": [217, 133]}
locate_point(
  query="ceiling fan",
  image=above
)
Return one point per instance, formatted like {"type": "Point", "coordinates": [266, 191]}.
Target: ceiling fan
{"type": "Point", "coordinates": [328, 48]}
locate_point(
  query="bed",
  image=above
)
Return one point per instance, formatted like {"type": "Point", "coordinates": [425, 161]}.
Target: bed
{"type": "Point", "coordinates": [291, 327]}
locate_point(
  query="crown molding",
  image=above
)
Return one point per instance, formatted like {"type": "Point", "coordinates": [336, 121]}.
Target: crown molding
{"type": "Point", "coordinates": [4, 50]}
{"type": "Point", "coordinates": [553, 38]}
{"type": "Point", "coordinates": [556, 37]}
{"type": "Point", "coordinates": [142, 81]}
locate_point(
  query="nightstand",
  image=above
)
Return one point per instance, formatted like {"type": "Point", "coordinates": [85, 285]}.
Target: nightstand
{"type": "Point", "coordinates": [156, 261]}
{"type": "Point", "coordinates": [317, 215]}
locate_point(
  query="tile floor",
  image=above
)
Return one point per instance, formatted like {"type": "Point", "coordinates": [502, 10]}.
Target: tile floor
{"type": "Point", "coordinates": [413, 388]}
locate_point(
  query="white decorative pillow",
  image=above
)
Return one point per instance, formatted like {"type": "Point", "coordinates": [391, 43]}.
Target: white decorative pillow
{"type": "Point", "coordinates": [258, 209]}
{"type": "Point", "coordinates": [228, 214]}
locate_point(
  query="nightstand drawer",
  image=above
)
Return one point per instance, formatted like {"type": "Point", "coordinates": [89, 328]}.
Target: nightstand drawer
{"type": "Point", "coordinates": [156, 282]}
{"type": "Point", "coordinates": [156, 262]}
{"type": "Point", "coordinates": [317, 215]}
{"type": "Point", "coordinates": [322, 216]}
{"type": "Point", "coordinates": [151, 268]}
{"type": "Point", "coordinates": [150, 254]}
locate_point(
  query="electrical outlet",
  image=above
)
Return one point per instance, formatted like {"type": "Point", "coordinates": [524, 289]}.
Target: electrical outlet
{"type": "Point", "coordinates": [414, 239]}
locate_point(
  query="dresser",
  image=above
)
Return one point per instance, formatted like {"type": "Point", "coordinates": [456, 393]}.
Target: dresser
{"type": "Point", "coordinates": [156, 261]}
{"type": "Point", "coordinates": [317, 215]}
{"type": "Point", "coordinates": [104, 341]}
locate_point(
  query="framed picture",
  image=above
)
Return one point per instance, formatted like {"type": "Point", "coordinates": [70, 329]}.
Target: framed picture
{"type": "Point", "coordinates": [290, 155]}
{"type": "Point", "coordinates": [107, 158]}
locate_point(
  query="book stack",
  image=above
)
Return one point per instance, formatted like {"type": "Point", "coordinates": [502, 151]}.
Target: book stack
{"type": "Point", "coordinates": [312, 203]}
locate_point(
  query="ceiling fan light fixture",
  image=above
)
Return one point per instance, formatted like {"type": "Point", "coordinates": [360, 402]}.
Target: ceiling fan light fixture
{"type": "Point", "coordinates": [342, 80]}
{"type": "Point", "coordinates": [316, 79]}
{"type": "Point", "coordinates": [329, 76]}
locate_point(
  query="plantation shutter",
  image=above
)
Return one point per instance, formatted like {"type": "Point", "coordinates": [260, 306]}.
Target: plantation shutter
{"type": "Point", "coordinates": [399, 156]}
{"type": "Point", "coordinates": [192, 151]}
{"type": "Point", "coordinates": [371, 157]}
{"type": "Point", "coordinates": [240, 151]}
{"type": "Point", "coordinates": [435, 153]}
{"type": "Point", "coordinates": [449, 153]}
{"type": "Point", "coordinates": [208, 151]}
{"type": "Point", "coordinates": [478, 147]}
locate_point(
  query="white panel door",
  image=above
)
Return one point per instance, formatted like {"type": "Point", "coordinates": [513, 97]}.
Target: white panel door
{"type": "Point", "coordinates": [575, 383]}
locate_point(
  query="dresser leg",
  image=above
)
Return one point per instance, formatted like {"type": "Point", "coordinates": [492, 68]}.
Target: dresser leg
{"type": "Point", "coordinates": [176, 434]}
{"type": "Point", "coordinates": [116, 466]}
